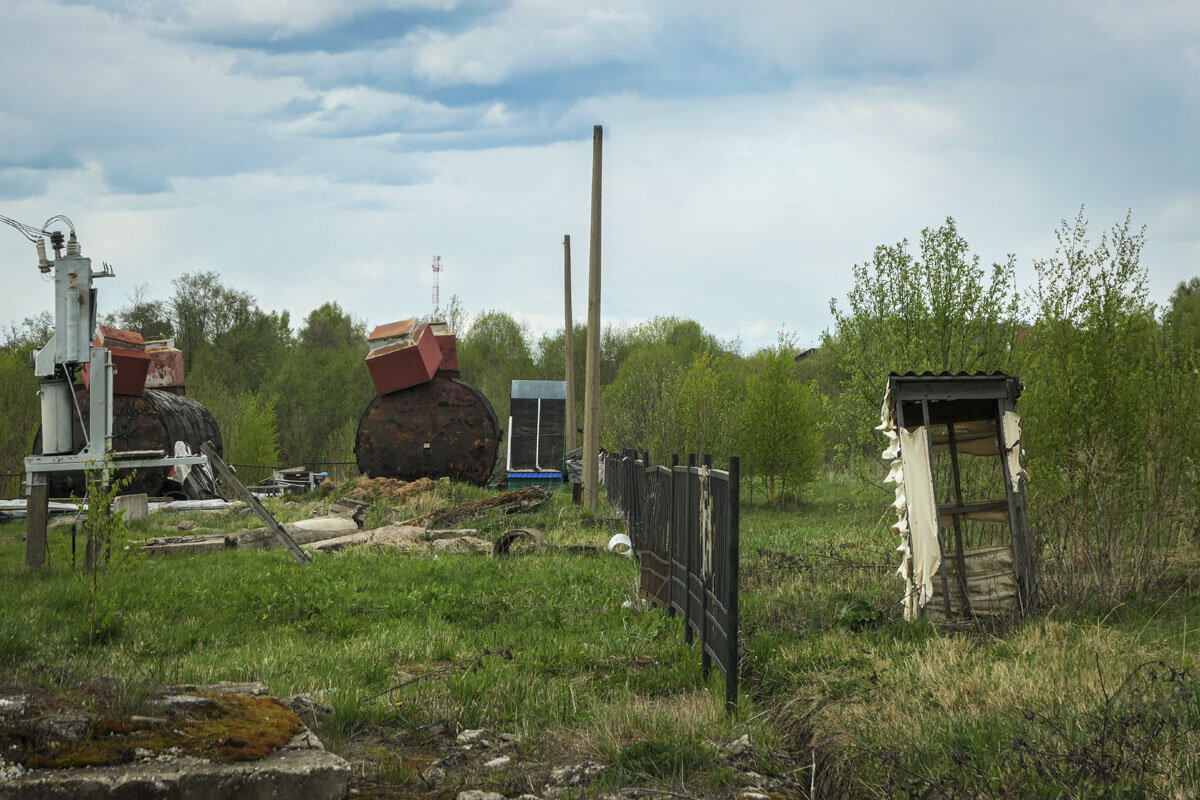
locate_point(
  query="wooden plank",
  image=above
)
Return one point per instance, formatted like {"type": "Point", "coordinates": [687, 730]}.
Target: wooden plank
{"type": "Point", "coordinates": [972, 507]}
{"type": "Point", "coordinates": [958, 536]}
{"type": "Point", "coordinates": [36, 511]}
{"type": "Point", "coordinates": [239, 489]}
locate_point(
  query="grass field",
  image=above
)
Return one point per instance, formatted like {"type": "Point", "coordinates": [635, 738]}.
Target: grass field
{"type": "Point", "coordinates": [839, 695]}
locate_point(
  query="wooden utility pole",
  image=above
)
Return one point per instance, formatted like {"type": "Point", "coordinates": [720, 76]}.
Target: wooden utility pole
{"type": "Point", "coordinates": [591, 409]}
{"type": "Point", "coordinates": [569, 345]}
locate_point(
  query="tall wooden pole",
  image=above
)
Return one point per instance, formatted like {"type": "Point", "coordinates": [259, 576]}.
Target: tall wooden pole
{"type": "Point", "coordinates": [591, 409]}
{"type": "Point", "coordinates": [569, 347]}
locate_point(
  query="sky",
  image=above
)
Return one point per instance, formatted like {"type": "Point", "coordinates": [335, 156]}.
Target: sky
{"type": "Point", "coordinates": [311, 151]}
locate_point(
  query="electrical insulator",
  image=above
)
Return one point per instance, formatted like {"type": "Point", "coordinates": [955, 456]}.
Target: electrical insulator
{"type": "Point", "coordinates": [43, 262]}
{"type": "Point", "coordinates": [73, 250]}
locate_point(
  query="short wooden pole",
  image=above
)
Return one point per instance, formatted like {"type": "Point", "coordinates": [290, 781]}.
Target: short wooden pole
{"type": "Point", "coordinates": [37, 509]}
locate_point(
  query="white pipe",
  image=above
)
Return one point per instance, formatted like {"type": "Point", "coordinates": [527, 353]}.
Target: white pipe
{"type": "Point", "coordinates": [537, 440]}
{"type": "Point", "coordinates": [508, 453]}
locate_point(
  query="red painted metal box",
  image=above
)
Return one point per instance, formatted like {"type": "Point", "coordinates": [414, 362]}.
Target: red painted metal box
{"type": "Point", "coordinates": [166, 366]}
{"type": "Point", "coordinates": [130, 362]}
{"type": "Point", "coordinates": [448, 343]}
{"type": "Point", "coordinates": [404, 363]}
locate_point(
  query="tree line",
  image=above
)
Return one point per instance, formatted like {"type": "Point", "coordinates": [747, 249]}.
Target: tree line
{"type": "Point", "coordinates": [1110, 405]}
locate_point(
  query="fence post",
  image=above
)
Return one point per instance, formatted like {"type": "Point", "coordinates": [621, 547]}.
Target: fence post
{"type": "Point", "coordinates": [687, 552]}
{"type": "Point", "coordinates": [672, 541]}
{"type": "Point", "coordinates": [731, 600]}
{"type": "Point", "coordinates": [706, 567]}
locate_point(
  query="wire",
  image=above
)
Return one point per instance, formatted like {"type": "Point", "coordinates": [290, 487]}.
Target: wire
{"type": "Point", "coordinates": [28, 231]}
{"type": "Point", "coordinates": [55, 218]}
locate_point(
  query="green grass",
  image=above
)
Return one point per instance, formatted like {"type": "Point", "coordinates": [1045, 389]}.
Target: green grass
{"type": "Point", "coordinates": [540, 645]}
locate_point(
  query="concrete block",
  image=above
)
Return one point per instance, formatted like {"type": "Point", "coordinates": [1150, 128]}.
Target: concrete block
{"type": "Point", "coordinates": [135, 506]}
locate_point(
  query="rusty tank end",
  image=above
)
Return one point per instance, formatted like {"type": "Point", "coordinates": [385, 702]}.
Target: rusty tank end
{"type": "Point", "coordinates": [154, 420]}
{"type": "Point", "coordinates": [442, 428]}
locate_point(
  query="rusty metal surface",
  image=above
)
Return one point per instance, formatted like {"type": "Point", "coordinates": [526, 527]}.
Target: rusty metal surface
{"type": "Point", "coordinates": [107, 336]}
{"type": "Point", "coordinates": [452, 417]}
{"type": "Point", "coordinates": [153, 421]}
{"type": "Point", "coordinates": [166, 369]}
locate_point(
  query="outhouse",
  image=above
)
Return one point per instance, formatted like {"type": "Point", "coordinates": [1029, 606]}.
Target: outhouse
{"type": "Point", "coordinates": [954, 446]}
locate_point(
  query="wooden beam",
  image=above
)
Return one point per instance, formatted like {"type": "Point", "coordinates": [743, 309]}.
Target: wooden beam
{"type": "Point", "coordinates": [239, 489]}
{"type": "Point", "coordinates": [37, 509]}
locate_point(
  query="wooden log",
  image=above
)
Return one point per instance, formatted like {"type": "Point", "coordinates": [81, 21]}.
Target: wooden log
{"type": "Point", "coordinates": [399, 537]}
{"type": "Point", "coordinates": [452, 533]}
{"type": "Point", "coordinates": [306, 531]}
{"type": "Point", "coordinates": [238, 488]}
{"type": "Point", "coordinates": [191, 546]}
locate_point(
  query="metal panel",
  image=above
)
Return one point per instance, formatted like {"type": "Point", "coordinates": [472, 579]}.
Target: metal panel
{"type": "Point", "coordinates": [545, 390]}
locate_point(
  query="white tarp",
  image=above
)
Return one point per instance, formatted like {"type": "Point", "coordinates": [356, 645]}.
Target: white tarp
{"type": "Point", "coordinates": [1012, 442]}
{"type": "Point", "coordinates": [915, 508]}
{"type": "Point", "coordinates": [922, 513]}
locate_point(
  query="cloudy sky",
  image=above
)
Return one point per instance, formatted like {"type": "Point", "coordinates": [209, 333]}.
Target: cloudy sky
{"type": "Point", "coordinates": [310, 150]}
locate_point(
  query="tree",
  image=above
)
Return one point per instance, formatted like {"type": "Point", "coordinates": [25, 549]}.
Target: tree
{"type": "Point", "coordinates": [673, 393]}
{"type": "Point", "coordinates": [941, 312]}
{"type": "Point", "coordinates": [1111, 416]}
{"type": "Point", "coordinates": [1182, 316]}
{"type": "Point", "coordinates": [491, 355]}
{"type": "Point", "coordinates": [150, 318]}
{"type": "Point", "coordinates": [331, 328]}
{"type": "Point", "coordinates": [779, 429]}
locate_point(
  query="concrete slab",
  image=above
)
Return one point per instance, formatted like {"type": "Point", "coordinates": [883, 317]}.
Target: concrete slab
{"type": "Point", "coordinates": [303, 768]}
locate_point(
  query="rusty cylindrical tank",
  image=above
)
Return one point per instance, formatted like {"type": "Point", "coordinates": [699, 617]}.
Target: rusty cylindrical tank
{"type": "Point", "coordinates": [443, 428]}
{"type": "Point", "coordinates": [155, 420]}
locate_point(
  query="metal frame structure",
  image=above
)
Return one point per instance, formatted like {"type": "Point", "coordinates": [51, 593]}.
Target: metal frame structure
{"type": "Point", "coordinates": [69, 348]}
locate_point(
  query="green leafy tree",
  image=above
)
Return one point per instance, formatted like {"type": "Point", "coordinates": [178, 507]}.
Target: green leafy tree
{"type": "Point", "coordinates": [550, 353]}
{"type": "Point", "coordinates": [940, 310]}
{"type": "Point", "coordinates": [150, 318]}
{"type": "Point", "coordinates": [779, 428]}
{"type": "Point", "coordinates": [19, 406]}
{"type": "Point", "coordinates": [673, 393]}
{"type": "Point", "coordinates": [1110, 415]}
{"type": "Point", "coordinates": [322, 386]}
{"type": "Point", "coordinates": [1182, 316]}
{"type": "Point", "coordinates": [492, 354]}
{"type": "Point", "coordinates": [106, 533]}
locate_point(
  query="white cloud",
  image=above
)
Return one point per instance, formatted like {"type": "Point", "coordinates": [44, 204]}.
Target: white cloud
{"type": "Point", "coordinates": [305, 177]}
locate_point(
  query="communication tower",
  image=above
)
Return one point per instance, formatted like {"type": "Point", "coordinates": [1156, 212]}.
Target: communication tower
{"type": "Point", "coordinates": [437, 272]}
